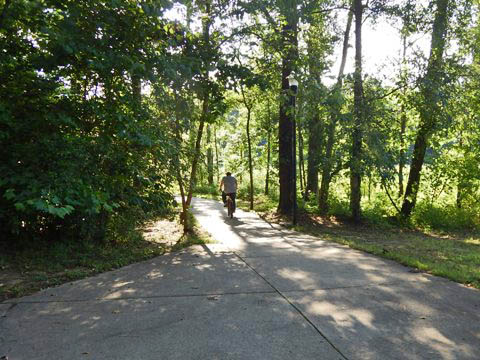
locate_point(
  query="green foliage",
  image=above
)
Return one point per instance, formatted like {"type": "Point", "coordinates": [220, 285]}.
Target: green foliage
{"type": "Point", "coordinates": [77, 146]}
{"type": "Point", "coordinates": [446, 217]}
{"type": "Point", "coordinates": [207, 190]}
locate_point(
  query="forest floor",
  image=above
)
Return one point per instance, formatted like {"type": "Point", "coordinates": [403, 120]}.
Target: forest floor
{"type": "Point", "coordinates": [453, 255]}
{"type": "Point", "coordinates": [34, 267]}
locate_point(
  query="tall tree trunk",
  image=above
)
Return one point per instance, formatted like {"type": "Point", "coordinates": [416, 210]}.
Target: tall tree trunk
{"type": "Point", "coordinates": [429, 109]}
{"type": "Point", "coordinates": [358, 114]}
{"type": "Point", "coordinates": [286, 118]}
{"type": "Point", "coordinates": [206, 22]}
{"type": "Point", "coordinates": [178, 169]}
{"type": "Point", "coordinates": [460, 181]}
{"type": "Point", "coordinates": [240, 176]}
{"type": "Point", "coordinates": [403, 122]}
{"type": "Point", "coordinates": [198, 143]}
{"type": "Point", "coordinates": [209, 156]}
{"type": "Point", "coordinates": [327, 168]}
{"type": "Point", "coordinates": [313, 160]}
{"type": "Point", "coordinates": [331, 130]}
{"type": "Point", "coordinates": [269, 148]}
{"type": "Point", "coordinates": [250, 162]}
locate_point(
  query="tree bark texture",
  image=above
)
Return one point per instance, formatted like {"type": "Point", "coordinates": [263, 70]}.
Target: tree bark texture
{"type": "Point", "coordinates": [285, 126]}
{"type": "Point", "coordinates": [358, 114]}
{"type": "Point", "coordinates": [429, 110]}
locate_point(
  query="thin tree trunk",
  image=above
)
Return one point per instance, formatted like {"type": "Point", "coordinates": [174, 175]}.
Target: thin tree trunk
{"type": "Point", "coordinates": [240, 176]}
{"type": "Point", "coordinates": [178, 169]}
{"type": "Point", "coordinates": [429, 110]}
{"type": "Point", "coordinates": [209, 156]}
{"type": "Point", "coordinates": [331, 130]}
{"type": "Point", "coordinates": [269, 134]}
{"type": "Point", "coordinates": [206, 22]}
{"type": "Point", "coordinates": [286, 118]}
{"type": "Point", "coordinates": [216, 154]}
{"type": "Point", "coordinates": [314, 148]}
{"type": "Point", "coordinates": [460, 182]}
{"type": "Point", "coordinates": [250, 163]}
{"type": "Point", "coordinates": [301, 162]}
{"type": "Point", "coordinates": [267, 177]}
{"type": "Point", "coordinates": [327, 168]}
{"type": "Point", "coordinates": [403, 124]}
{"type": "Point", "coordinates": [357, 133]}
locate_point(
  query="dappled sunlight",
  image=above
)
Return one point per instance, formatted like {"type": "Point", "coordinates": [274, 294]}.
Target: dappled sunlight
{"type": "Point", "coordinates": [122, 283]}
{"type": "Point", "coordinates": [297, 276]}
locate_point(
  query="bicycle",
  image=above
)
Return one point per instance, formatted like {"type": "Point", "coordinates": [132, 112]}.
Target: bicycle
{"type": "Point", "coordinates": [230, 209]}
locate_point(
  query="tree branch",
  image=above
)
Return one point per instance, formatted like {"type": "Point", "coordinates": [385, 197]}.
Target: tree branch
{"type": "Point", "coordinates": [388, 194]}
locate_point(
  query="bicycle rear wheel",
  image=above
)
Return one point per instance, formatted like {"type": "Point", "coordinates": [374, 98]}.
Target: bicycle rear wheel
{"type": "Point", "coordinates": [230, 208]}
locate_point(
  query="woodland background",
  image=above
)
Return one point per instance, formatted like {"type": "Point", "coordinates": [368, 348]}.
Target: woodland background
{"type": "Point", "coordinates": [109, 108]}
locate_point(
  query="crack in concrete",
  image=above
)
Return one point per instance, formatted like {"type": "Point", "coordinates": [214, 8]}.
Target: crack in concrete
{"type": "Point", "coordinates": [297, 309]}
{"type": "Point", "coordinates": [145, 297]}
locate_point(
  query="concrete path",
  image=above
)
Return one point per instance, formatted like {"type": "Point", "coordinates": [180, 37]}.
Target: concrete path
{"type": "Point", "coordinates": [261, 292]}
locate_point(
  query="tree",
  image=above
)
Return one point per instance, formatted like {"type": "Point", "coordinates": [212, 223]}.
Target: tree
{"type": "Point", "coordinates": [430, 109]}
{"type": "Point", "coordinates": [328, 162]}
{"type": "Point", "coordinates": [359, 115]}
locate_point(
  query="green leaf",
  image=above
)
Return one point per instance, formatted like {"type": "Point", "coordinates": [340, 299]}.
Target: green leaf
{"type": "Point", "coordinates": [19, 206]}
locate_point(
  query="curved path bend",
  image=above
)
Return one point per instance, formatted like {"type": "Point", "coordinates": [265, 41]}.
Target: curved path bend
{"type": "Point", "coordinates": [260, 292]}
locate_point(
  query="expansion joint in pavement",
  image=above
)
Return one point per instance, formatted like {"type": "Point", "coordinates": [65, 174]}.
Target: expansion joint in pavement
{"type": "Point", "coordinates": [145, 297]}
{"type": "Point", "coordinates": [295, 307]}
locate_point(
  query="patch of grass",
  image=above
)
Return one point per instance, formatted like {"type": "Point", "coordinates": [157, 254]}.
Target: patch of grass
{"type": "Point", "coordinates": [261, 203]}
{"type": "Point", "coordinates": [39, 265]}
{"type": "Point", "coordinates": [455, 256]}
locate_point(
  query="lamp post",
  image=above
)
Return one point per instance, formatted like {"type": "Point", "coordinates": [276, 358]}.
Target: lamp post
{"type": "Point", "coordinates": [293, 85]}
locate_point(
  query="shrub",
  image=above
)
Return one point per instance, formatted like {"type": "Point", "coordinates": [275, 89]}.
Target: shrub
{"type": "Point", "coordinates": [445, 217]}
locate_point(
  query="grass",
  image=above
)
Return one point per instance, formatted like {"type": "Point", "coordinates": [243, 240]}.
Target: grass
{"type": "Point", "coordinates": [40, 265]}
{"type": "Point", "coordinates": [453, 255]}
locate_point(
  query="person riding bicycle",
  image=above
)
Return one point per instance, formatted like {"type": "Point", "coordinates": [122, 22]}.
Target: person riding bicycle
{"type": "Point", "coordinates": [229, 184]}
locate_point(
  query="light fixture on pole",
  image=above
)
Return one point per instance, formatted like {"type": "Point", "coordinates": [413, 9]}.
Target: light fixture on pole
{"type": "Point", "coordinates": [293, 85]}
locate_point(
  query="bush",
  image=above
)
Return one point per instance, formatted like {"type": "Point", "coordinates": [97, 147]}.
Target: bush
{"type": "Point", "coordinates": [205, 189]}
{"type": "Point", "coordinates": [338, 207]}
{"type": "Point", "coordinates": [445, 217]}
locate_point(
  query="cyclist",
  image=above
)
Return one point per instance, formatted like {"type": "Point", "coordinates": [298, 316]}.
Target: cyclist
{"type": "Point", "coordinates": [229, 184]}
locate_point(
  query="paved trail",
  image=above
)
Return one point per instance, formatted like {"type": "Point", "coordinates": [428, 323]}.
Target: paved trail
{"type": "Point", "coordinates": [261, 292]}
